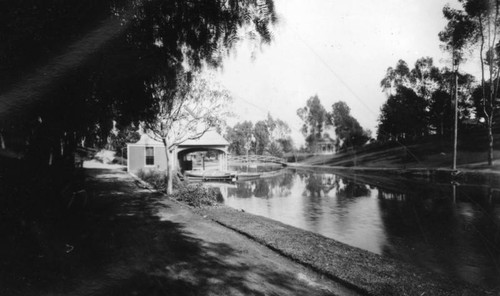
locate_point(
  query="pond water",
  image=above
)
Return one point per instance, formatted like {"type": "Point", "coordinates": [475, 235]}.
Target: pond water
{"type": "Point", "coordinates": [449, 229]}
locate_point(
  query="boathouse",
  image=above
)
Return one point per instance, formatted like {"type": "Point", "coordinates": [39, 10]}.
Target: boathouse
{"type": "Point", "coordinates": [146, 154]}
{"type": "Point", "coordinates": [149, 154]}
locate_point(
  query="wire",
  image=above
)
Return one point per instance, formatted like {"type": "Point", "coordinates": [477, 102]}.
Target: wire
{"type": "Point", "coordinates": [333, 72]}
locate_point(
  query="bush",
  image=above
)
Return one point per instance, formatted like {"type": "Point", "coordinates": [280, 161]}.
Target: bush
{"type": "Point", "coordinates": [197, 195]}
{"type": "Point", "coordinates": [156, 178]}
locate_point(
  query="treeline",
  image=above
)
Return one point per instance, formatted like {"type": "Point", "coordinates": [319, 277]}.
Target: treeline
{"type": "Point", "coordinates": [421, 101]}
{"type": "Point", "coordinates": [265, 137]}
{"type": "Point", "coordinates": [317, 121]}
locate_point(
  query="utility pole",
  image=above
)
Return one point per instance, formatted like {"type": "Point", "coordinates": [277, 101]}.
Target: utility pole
{"type": "Point", "coordinates": [455, 128]}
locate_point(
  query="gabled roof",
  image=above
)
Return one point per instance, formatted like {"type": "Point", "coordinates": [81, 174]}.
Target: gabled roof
{"type": "Point", "coordinates": [210, 138]}
{"type": "Point", "coordinates": [147, 141]}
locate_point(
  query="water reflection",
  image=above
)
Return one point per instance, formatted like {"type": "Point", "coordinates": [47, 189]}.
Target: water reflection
{"type": "Point", "coordinates": [446, 228]}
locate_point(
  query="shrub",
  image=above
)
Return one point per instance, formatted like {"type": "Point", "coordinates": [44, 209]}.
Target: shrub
{"type": "Point", "coordinates": [156, 178]}
{"type": "Point", "coordinates": [197, 195]}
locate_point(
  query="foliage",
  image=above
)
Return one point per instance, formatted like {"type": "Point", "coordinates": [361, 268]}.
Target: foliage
{"type": "Point", "coordinates": [424, 94]}
{"type": "Point", "coordinates": [107, 61]}
{"type": "Point", "coordinates": [187, 113]}
{"type": "Point", "coordinates": [484, 17]}
{"type": "Point", "coordinates": [156, 178]}
{"type": "Point", "coordinates": [286, 144]}
{"type": "Point", "coordinates": [239, 136]}
{"type": "Point", "coordinates": [347, 128]}
{"type": "Point", "coordinates": [314, 118]}
{"type": "Point", "coordinates": [262, 137]}
{"type": "Point", "coordinates": [197, 195]}
{"type": "Point", "coordinates": [271, 136]}
{"type": "Point", "coordinates": [197, 105]}
{"type": "Point", "coordinates": [119, 138]}
{"type": "Point", "coordinates": [275, 149]}
{"type": "Point", "coordinates": [403, 116]}
{"type": "Point", "coordinates": [458, 32]}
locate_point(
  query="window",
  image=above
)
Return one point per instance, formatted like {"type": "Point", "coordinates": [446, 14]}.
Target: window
{"type": "Point", "coordinates": [150, 155]}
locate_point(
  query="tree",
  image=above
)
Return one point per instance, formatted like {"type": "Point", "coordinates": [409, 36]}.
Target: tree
{"type": "Point", "coordinates": [314, 117]}
{"type": "Point", "coordinates": [394, 77]}
{"type": "Point", "coordinates": [270, 136]}
{"type": "Point", "coordinates": [403, 116]}
{"type": "Point", "coordinates": [119, 138]}
{"type": "Point", "coordinates": [457, 30]}
{"type": "Point", "coordinates": [478, 23]}
{"type": "Point", "coordinates": [262, 137]}
{"type": "Point", "coordinates": [186, 114]}
{"type": "Point", "coordinates": [122, 48]}
{"type": "Point", "coordinates": [239, 136]}
{"type": "Point", "coordinates": [347, 128]}
{"type": "Point", "coordinates": [281, 140]}
{"type": "Point", "coordinates": [440, 110]}
{"type": "Point", "coordinates": [428, 85]}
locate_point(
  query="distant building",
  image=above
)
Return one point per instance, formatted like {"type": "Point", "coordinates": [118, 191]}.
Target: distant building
{"type": "Point", "coordinates": [325, 146]}
{"type": "Point", "coordinates": [148, 154]}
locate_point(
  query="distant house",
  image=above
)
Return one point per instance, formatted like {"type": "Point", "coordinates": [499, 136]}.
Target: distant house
{"type": "Point", "coordinates": [324, 146]}
{"type": "Point", "coordinates": [149, 154]}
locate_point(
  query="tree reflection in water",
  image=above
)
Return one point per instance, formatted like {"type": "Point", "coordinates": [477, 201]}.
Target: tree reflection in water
{"type": "Point", "coordinates": [453, 232]}
{"type": "Point", "coordinates": [456, 235]}
{"type": "Point", "coordinates": [276, 186]}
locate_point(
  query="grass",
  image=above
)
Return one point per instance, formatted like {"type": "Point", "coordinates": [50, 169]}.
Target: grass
{"type": "Point", "coordinates": [431, 152]}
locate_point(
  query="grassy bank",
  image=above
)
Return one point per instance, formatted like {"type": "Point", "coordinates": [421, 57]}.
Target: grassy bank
{"type": "Point", "coordinates": [360, 270]}
{"type": "Point", "coordinates": [428, 153]}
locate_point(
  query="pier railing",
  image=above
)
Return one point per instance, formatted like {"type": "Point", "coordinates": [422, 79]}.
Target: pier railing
{"type": "Point", "coordinates": [256, 158]}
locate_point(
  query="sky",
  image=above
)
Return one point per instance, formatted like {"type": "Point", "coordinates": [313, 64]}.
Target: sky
{"type": "Point", "coordinates": [338, 50]}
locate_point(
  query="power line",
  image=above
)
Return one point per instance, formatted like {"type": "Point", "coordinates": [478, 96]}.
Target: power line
{"type": "Point", "coordinates": [252, 104]}
{"type": "Point", "coordinates": [333, 72]}
{"type": "Point", "coordinates": [347, 86]}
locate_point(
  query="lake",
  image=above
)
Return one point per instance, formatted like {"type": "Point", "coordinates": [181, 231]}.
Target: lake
{"type": "Point", "coordinates": [449, 229]}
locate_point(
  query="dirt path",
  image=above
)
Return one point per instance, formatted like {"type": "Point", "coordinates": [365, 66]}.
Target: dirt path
{"type": "Point", "coordinates": [134, 242]}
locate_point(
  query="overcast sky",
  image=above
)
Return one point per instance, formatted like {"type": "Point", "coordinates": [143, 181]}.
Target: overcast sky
{"type": "Point", "coordinates": [339, 50]}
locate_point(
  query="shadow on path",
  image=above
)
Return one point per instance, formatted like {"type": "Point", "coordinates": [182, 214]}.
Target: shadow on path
{"type": "Point", "coordinates": [116, 244]}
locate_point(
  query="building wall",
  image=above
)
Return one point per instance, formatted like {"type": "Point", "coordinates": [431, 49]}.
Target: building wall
{"type": "Point", "coordinates": [137, 158]}
{"type": "Point", "coordinates": [160, 159]}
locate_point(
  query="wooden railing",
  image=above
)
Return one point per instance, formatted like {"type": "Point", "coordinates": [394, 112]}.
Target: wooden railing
{"type": "Point", "coordinates": [256, 158]}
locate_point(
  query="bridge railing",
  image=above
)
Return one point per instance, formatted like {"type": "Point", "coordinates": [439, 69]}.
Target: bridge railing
{"type": "Point", "coordinates": [256, 158]}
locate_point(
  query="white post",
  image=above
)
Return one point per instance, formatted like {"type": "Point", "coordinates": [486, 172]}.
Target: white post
{"type": "Point", "coordinates": [455, 126]}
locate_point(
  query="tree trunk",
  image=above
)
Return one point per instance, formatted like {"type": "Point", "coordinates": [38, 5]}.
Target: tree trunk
{"type": "Point", "coordinates": [2, 142]}
{"type": "Point", "coordinates": [170, 179]}
{"type": "Point", "coordinates": [490, 140]}
{"type": "Point", "coordinates": [169, 168]}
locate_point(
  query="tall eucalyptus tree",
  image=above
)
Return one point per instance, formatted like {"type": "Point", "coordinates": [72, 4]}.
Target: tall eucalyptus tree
{"type": "Point", "coordinates": [479, 24]}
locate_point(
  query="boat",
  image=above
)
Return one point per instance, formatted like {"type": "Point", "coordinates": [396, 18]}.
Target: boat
{"type": "Point", "coordinates": [247, 176]}
{"type": "Point", "coordinates": [210, 175]}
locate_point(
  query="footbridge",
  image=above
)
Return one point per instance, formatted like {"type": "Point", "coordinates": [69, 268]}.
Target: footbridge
{"type": "Point", "coordinates": [256, 158]}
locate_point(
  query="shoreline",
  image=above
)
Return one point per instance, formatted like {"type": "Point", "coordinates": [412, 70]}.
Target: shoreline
{"type": "Point", "coordinates": [365, 272]}
{"type": "Point", "coordinates": [465, 176]}
{"type": "Point", "coordinates": [357, 269]}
